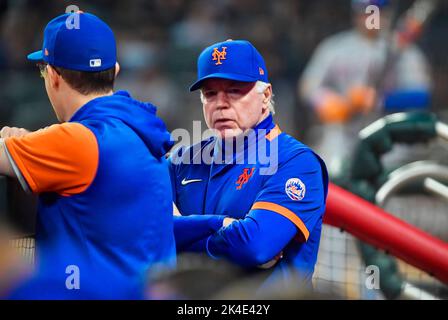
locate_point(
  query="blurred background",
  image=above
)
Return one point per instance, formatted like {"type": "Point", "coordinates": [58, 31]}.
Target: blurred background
{"type": "Point", "coordinates": [158, 44]}
{"type": "Point", "coordinates": [159, 41]}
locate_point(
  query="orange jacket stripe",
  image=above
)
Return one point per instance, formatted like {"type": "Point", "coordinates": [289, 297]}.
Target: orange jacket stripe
{"type": "Point", "coordinates": [62, 158]}
{"type": "Point", "coordinates": [284, 212]}
{"type": "Point", "coordinates": [273, 133]}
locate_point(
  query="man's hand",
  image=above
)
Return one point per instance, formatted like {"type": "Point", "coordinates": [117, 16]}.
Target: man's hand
{"type": "Point", "coordinates": [176, 211]}
{"type": "Point", "coordinates": [333, 108]}
{"type": "Point", "coordinates": [8, 132]}
{"type": "Point", "coordinates": [272, 262]}
{"type": "Point", "coordinates": [362, 98]}
{"type": "Point", "coordinates": [227, 221]}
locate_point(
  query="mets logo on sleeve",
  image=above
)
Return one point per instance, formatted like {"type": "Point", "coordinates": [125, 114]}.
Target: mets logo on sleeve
{"type": "Point", "coordinates": [295, 189]}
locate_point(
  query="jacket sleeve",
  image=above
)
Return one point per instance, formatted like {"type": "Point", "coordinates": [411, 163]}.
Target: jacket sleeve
{"type": "Point", "coordinates": [192, 228]}
{"type": "Point", "coordinates": [62, 158]}
{"type": "Point", "coordinates": [289, 206]}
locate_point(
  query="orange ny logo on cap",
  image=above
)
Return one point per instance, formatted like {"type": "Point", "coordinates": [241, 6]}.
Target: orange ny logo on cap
{"type": "Point", "coordinates": [244, 177]}
{"type": "Point", "coordinates": [219, 55]}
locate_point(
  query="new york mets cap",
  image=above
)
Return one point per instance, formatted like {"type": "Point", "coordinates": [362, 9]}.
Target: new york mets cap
{"type": "Point", "coordinates": [233, 60]}
{"type": "Point", "coordinates": [78, 41]}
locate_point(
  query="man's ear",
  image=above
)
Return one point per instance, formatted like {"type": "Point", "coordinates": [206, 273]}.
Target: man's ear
{"type": "Point", "coordinates": [53, 77]}
{"type": "Point", "coordinates": [267, 94]}
{"type": "Point", "coordinates": [117, 69]}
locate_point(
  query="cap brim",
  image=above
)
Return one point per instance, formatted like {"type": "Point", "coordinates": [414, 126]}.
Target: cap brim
{"type": "Point", "coordinates": [36, 56]}
{"type": "Point", "coordinates": [198, 84]}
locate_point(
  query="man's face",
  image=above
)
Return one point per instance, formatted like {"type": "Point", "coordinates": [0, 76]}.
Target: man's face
{"type": "Point", "coordinates": [47, 72]}
{"type": "Point", "coordinates": [360, 19]}
{"type": "Point", "coordinates": [360, 24]}
{"type": "Point", "coordinates": [232, 107]}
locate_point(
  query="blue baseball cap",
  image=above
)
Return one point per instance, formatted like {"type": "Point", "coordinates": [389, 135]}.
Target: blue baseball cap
{"type": "Point", "coordinates": [78, 41]}
{"type": "Point", "coordinates": [233, 60]}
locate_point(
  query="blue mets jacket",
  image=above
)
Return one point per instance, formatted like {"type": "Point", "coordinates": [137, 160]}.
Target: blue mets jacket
{"type": "Point", "coordinates": [274, 186]}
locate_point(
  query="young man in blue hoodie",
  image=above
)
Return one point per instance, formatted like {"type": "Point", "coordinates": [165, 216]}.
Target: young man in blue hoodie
{"type": "Point", "coordinates": [104, 214]}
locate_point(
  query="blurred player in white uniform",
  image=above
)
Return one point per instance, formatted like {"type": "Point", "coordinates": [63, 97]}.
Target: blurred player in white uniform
{"type": "Point", "coordinates": [349, 84]}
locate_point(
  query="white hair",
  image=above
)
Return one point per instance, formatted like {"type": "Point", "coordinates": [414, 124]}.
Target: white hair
{"type": "Point", "coordinates": [260, 87]}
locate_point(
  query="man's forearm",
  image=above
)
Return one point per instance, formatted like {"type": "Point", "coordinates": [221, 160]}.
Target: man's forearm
{"type": "Point", "coordinates": [251, 241]}
{"type": "Point", "coordinates": [5, 165]}
{"type": "Point", "coordinates": [200, 244]}
{"type": "Point", "coordinates": [192, 228]}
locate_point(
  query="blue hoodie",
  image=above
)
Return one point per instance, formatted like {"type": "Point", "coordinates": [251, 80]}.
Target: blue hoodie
{"type": "Point", "coordinates": [110, 234]}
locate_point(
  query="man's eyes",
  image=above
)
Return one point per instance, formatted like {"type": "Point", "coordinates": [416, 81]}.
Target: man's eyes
{"type": "Point", "coordinates": [229, 91]}
{"type": "Point", "coordinates": [234, 90]}
{"type": "Point", "coordinates": [209, 94]}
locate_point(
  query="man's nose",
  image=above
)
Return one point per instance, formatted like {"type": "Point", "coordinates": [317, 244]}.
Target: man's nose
{"type": "Point", "coordinates": [222, 100]}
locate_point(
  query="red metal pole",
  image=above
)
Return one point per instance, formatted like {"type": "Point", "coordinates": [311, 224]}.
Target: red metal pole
{"type": "Point", "coordinates": [375, 226]}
